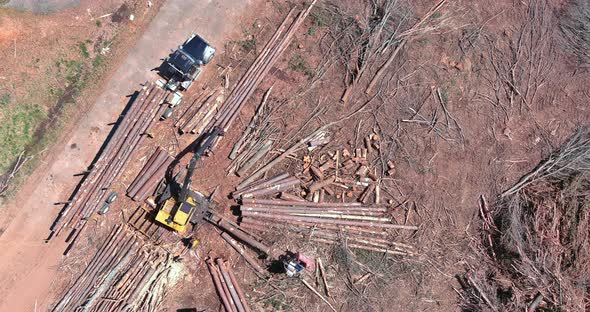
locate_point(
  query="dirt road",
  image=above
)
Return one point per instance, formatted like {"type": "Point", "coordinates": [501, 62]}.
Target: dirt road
{"type": "Point", "coordinates": [28, 264]}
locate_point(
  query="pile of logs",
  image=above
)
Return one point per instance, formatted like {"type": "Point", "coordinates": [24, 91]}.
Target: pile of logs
{"type": "Point", "coordinates": [364, 227]}
{"type": "Point", "coordinates": [271, 52]}
{"type": "Point", "coordinates": [124, 275]}
{"type": "Point", "coordinates": [143, 223]}
{"type": "Point", "coordinates": [150, 175]}
{"type": "Point", "coordinates": [269, 186]}
{"type": "Point", "coordinates": [227, 286]}
{"type": "Point", "coordinates": [256, 141]}
{"type": "Point", "coordinates": [112, 160]}
{"type": "Point", "coordinates": [335, 198]}
{"type": "Point", "coordinates": [199, 114]}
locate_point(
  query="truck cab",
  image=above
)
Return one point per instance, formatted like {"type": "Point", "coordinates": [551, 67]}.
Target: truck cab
{"type": "Point", "coordinates": [183, 65]}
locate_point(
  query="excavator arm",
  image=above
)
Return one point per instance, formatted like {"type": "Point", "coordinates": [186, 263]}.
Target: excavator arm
{"type": "Point", "coordinates": [177, 213]}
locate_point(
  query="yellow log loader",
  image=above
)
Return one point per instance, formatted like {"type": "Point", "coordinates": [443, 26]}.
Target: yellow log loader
{"type": "Point", "coordinates": [180, 209]}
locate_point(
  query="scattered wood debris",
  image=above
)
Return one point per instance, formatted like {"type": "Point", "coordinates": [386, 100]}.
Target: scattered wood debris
{"type": "Point", "coordinates": [256, 141]}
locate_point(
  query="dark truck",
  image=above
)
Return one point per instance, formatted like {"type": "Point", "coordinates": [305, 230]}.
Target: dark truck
{"type": "Point", "coordinates": [183, 66]}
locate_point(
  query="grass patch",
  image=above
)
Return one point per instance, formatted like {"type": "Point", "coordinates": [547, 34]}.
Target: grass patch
{"type": "Point", "coordinates": [84, 50]}
{"type": "Point", "coordinates": [444, 96]}
{"type": "Point", "coordinates": [98, 23]}
{"type": "Point", "coordinates": [319, 18]}
{"type": "Point", "coordinates": [5, 100]}
{"type": "Point", "coordinates": [298, 64]}
{"type": "Point", "coordinates": [436, 15]}
{"type": "Point", "coordinates": [28, 127]}
{"type": "Point", "coordinates": [98, 61]}
{"type": "Point", "coordinates": [16, 131]}
{"type": "Point", "coordinates": [311, 31]}
{"type": "Point", "coordinates": [247, 45]}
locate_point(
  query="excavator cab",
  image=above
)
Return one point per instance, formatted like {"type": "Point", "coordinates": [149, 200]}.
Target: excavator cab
{"type": "Point", "coordinates": [180, 220]}
{"type": "Point", "coordinates": [180, 215]}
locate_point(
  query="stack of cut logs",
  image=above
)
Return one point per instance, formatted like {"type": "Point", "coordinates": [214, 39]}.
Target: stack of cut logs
{"type": "Point", "coordinates": [115, 155]}
{"type": "Point", "coordinates": [143, 224]}
{"type": "Point", "coordinates": [269, 186]}
{"type": "Point", "coordinates": [150, 175]}
{"type": "Point", "coordinates": [123, 275]}
{"type": "Point", "coordinates": [271, 52]}
{"type": "Point", "coordinates": [320, 210]}
{"type": "Point", "coordinates": [364, 226]}
{"type": "Point", "coordinates": [227, 286]}
{"type": "Point", "coordinates": [256, 141]}
{"type": "Point", "coordinates": [199, 114]}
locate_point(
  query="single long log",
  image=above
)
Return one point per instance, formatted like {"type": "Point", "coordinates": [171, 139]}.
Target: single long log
{"type": "Point", "coordinates": [336, 216]}
{"type": "Point", "coordinates": [311, 210]}
{"type": "Point", "coordinates": [259, 184]}
{"type": "Point", "coordinates": [238, 288]}
{"type": "Point", "coordinates": [288, 218]}
{"type": "Point", "coordinates": [243, 236]}
{"type": "Point", "coordinates": [258, 201]}
{"type": "Point", "coordinates": [280, 186]}
{"type": "Point", "coordinates": [240, 250]}
{"type": "Point", "coordinates": [357, 246]}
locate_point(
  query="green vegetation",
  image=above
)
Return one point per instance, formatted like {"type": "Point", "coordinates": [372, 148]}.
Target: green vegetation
{"type": "Point", "coordinates": [444, 95]}
{"type": "Point", "coordinates": [319, 18]}
{"type": "Point", "coordinates": [276, 304]}
{"type": "Point", "coordinates": [98, 60]}
{"type": "Point", "coordinates": [247, 45]}
{"type": "Point", "coordinates": [25, 122]}
{"type": "Point", "coordinates": [436, 15]}
{"type": "Point", "coordinates": [299, 64]}
{"type": "Point", "coordinates": [311, 31]}
{"type": "Point", "coordinates": [5, 100]}
{"type": "Point", "coordinates": [98, 23]}
{"type": "Point", "coordinates": [84, 50]}
{"type": "Point", "coordinates": [16, 131]}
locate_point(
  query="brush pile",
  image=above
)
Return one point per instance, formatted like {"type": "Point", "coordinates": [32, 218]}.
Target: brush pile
{"type": "Point", "coordinates": [575, 30]}
{"type": "Point", "coordinates": [537, 239]}
{"type": "Point", "coordinates": [116, 154]}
